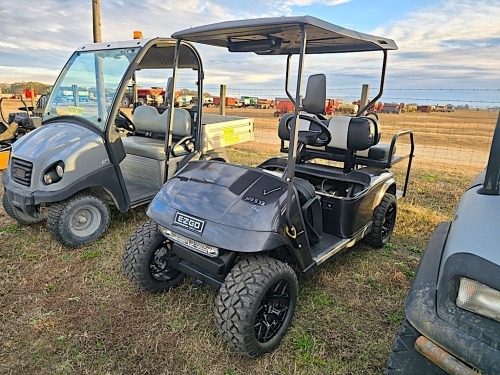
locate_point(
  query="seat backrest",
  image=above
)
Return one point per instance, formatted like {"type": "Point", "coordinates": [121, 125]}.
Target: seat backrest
{"type": "Point", "coordinates": [313, 104]}
{"type": "Point", "coordinates": [353, 133]}
{"type": "Point", "coordinates": [315, 100]}
{"type": "Point", "coordinates": [148, 119]}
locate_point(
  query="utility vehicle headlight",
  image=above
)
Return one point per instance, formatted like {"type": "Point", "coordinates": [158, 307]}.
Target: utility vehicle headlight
{"type": "Point", "coordinates": [60, 170]}
{"type": "Point", "coordinates": [50, 177]}
{"type": "Point", "coordinates": [54, 173]}
{"type": "Point", "coordinates": [479, 298]}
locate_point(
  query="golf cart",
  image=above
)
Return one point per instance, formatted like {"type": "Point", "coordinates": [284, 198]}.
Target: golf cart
{"type": "Point", "coordinates": [241, 229]}
{"type": "Point", "coordinates": [89, 155]}
{"type": "Point", "coordinates": [452, 309]}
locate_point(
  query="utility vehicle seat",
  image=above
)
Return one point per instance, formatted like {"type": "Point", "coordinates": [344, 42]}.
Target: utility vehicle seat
{"type": "Point", "coordinates": [150, 133]}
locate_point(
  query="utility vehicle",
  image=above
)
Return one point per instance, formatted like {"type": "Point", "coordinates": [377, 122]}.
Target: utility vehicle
{"type": "Point", "coordinates": [241, 229]}
{"type": "Point", "coordinates": [89, 155]}
{"type": "Point", "coordinates": [453, 306]}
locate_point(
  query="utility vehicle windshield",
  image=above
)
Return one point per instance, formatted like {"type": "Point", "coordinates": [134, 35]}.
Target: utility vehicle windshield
{"type": "Point", "coordinates": [88, 84]}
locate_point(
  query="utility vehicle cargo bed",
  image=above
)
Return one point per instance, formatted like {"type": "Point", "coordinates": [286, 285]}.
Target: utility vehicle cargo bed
{"type": "Point", "coordinates": [221, 131]}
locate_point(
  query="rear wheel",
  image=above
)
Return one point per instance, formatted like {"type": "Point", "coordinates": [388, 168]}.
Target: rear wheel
{"type": "Point", "coordinates": [255, 305]}
{"type": "Point", "coordinates": [145, 260]}
{"type": "Point", "coordinates": [384, 220]}
{"type": "Point", "coordinates": [81, 219]}
{"type": "Point", "coordinates": [18, 214]}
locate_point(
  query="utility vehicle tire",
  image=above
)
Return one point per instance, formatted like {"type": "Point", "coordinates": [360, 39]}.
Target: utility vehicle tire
{"type": "Point", "coordinates": [405, 359]}
{"type": "Point", "coordinates": [255, 305]}
{"type": "Point", "coordinates": [18, 214]}
{"type": "Point", "coordinates": [384, 219]}
{"type": "Point", "coordinates": [78, 220]}
{"type": "Point", "coordinates": [145, 260]}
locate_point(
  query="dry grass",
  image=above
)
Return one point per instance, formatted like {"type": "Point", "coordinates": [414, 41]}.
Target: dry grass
{"type": "Point", "coordinates": [66, 311]}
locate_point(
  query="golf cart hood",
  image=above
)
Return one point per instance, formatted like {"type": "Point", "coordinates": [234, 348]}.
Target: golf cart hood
{"type": "Point", "coordinates": [227, 198]}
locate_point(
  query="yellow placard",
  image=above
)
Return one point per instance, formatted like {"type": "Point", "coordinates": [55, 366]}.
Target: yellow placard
{"type": "Point", "coordinates": [231, 138]}
{"type": "Point", "coordinates": [75, 110]}
{"type": "Point", "coordinates": [228, 131]}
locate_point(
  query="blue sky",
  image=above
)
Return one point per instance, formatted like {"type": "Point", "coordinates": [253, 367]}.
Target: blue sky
{"type": "Point", "coordinates": [443, 45]}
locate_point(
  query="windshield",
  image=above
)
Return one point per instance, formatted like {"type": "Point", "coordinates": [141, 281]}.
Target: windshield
{"type": "Point", "coordinates": [88, 85]}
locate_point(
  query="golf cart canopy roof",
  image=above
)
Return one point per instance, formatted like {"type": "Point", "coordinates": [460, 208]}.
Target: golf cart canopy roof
{"type": "Point", "coordinates": [159, 55]}
{"type": "Point", "coordinates": [282, 36]}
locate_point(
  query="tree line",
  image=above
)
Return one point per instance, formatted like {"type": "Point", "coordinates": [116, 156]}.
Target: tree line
{"type": "Point", "coordinates": [19, 87]}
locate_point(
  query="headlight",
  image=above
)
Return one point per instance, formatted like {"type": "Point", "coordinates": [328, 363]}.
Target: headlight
{"type": "Point", "coordinates": [60, 170]}
{"type": "Point", "coordinates": [479, 298]}
{"type": "Point", "coordinates": [50, 177]}
{"type": "Point", "coordinates": [54, 173]}
{"type": "Point", "coordinates": [197, 246]}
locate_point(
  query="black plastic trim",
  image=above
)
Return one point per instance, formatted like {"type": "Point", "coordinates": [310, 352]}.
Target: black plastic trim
{"type": "Point", "coordinates": [104, 177]}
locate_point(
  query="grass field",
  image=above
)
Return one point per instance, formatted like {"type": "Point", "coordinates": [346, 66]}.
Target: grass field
{"type": "Point", "coordinates": [65, 311]}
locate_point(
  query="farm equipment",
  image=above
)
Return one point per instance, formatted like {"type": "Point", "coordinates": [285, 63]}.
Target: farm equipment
{"type": "Point", "coordinates": [90, 155]}
{"type": "Point", "coordinates": [348, 108]}
{"type": "Point", "coordinates": [153, 96]}
{"type": "Point", "coordinates": [283, 106]}
{"type": "Point", "coordinates": [230, 102]}
{"type": "Point", "coordinates": [452, 309]}
{"type": "Point", "coordinates": [17, 125]}
{"type": "Point", "coordinates": [241, 229]}
{"type": "Point", "coordinates": [391, 108]}
{"type": "Point", "coordinates": [265, 103]}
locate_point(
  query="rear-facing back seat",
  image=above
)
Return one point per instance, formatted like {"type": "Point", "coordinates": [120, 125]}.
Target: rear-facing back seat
{"type": "Point", "coordinates": [150, 126]}
{"type": "Point", "coordinates": [377, 152]}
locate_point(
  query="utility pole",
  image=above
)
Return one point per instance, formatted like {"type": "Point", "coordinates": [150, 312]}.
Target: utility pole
{"type": "Point", "coordinates": [96, 18]}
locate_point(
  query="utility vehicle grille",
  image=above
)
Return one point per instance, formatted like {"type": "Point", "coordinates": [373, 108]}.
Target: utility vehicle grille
{"type": "Point", "coordinates": [21, 171]}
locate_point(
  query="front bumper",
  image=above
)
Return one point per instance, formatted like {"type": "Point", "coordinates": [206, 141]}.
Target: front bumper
{"type": "Point", "coordinates": [421, 312]}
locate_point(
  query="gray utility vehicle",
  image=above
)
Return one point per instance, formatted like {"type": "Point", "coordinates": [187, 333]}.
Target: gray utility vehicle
{"type": "Point", "coordinates": [453, 307]}
{"type": "Point", "coordinates": [241, 229]}
{"type": "Point", "coordinates": [78, 163]}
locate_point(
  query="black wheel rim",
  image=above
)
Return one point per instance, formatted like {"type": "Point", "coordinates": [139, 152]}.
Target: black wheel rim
{"type": "Point", "coordinates": [272, 311]}
{"type": "Point", "coordinates": [389, 219]}
{"type": "Point", "coordinates": [158, 265]}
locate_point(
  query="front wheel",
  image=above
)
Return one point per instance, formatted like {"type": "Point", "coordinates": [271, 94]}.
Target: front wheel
{"type": "Point", "coordinates": [384, 220]}
{"type": "Point", "coordinates": [78, 220]}
{"type": "Point", "coordinates": [17, 213]}
{"type": "Point", "coordinates": [255, 305]}
{"type": "Point", "coordinates": [145, 260]}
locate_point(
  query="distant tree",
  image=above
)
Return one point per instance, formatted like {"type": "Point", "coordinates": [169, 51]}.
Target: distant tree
{"type": "Point", "coordinates": [19, 87]}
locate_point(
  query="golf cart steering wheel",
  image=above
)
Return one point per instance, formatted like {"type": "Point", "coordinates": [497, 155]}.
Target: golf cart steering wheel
{"type": "Point", "coordinates": [124, 122]}
{"type": "Point", "coordinates": [316, 138]}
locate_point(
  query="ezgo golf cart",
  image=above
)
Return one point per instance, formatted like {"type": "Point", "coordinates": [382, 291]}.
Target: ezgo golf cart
{"type": "Point", "coordinates": [89, 155]}
{"type": "Point", "coordinates": [241, 229]}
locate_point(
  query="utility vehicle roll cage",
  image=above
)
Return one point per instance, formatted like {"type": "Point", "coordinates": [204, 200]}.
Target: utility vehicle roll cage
{"type": "Point", "coordinates": [288, 36]}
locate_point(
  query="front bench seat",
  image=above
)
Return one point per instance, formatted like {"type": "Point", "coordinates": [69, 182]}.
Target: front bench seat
{"type": "Point", "coordinates": [150, 133]}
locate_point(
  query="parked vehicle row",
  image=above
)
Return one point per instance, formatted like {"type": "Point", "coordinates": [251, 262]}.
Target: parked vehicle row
{"type": "Point", "coordinates": [252, 232]}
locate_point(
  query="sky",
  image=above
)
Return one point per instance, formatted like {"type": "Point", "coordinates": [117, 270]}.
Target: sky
{"type": "Point", "coordinates": [448, 50]}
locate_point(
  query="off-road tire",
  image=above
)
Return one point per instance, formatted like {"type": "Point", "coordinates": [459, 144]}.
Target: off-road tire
{"type": "Point", "coordinates": [241, 295]}
{"type": "Point", "coordinates": [139, 254]}
{"type": "Point", "coordinates": [384, 220]}
{"type": "Point", "coordinates": [405, 359]}
{"type": "Point", "coordinates": [62, 216]}
{"type": "Point", "coordinates": [18, 214]}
